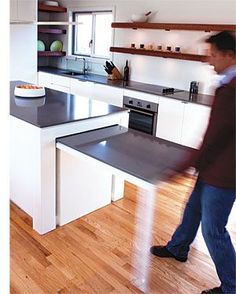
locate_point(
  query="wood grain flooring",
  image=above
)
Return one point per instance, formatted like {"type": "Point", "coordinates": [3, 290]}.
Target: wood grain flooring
{"type": "Point", "coordinates": [107, 250]}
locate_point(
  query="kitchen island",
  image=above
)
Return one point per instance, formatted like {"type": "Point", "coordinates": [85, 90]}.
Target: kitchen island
{"type": "Point", "coordinates": [35, 124]}
{"type": "Point", "coordinates": [105, 153]}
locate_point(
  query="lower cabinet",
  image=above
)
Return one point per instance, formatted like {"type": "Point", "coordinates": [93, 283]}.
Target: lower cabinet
{"type": "Point", "coordinates": [195, 121]}
{"type": "Point", "coordinates": [108, 94]}
{"type": "Point", "coordinates": [182, 122]}
{"type": "Point", "coordinates": [54, 82]}
{"type": "Point", "coordinates": [82, 88]}
{"type": "Point", "coordinates": [170, 119]}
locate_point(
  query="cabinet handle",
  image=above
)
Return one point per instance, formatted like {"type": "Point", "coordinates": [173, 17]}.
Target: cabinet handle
{"type": "Point", "coordinates": [185, 102]}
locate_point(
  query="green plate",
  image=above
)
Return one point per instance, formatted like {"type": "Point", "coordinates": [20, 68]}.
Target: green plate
{"type": "Point", "coordinates": [56, 46]}
{"type": "Point", "coordinates": [41, 45]}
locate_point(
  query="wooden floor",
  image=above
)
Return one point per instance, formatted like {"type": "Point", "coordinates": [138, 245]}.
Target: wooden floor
{"type": "Point", "coordinates": [107, 250]}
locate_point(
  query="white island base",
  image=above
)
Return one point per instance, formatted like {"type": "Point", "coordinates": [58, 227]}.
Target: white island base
{"type": "Point", "coordinates": [33, 165]}
{"type": "Point", "coordinates": [85, 184]}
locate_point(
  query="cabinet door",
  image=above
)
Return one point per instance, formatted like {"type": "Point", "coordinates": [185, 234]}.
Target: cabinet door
{"type": "Point", "coordinates": [44, 79]}
{"type": "Point", "coordinates": [195, 122]}
{"type": "Point", "coordinates": [60, 83]}
{"type": "Point", "coordinates": [170, 119]}
{"type": "Point", "coordinates": [82, 88]}
{"type": "Point", "coordinates": [108, 94]}
{"type": "Point", "coordinates": [27, 10]}
{"type": "Point", "coordinates": [13, 10]}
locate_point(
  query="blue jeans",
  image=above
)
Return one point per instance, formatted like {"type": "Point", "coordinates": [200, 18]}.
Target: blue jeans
{"type": "Point", "coordinates": [211, 206]}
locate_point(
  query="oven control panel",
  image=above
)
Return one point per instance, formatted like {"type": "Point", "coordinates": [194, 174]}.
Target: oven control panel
{"type": "Point", "coordinates": [138, 103]}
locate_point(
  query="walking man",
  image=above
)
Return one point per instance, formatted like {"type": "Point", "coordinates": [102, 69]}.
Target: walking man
{"type": "Point", "coordinates": [214, 193]}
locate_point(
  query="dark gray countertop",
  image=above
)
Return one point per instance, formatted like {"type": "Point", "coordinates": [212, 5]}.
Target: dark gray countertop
{"type": "Point", "coordinates": [141, 155]}
{"type": "Point", "coordinates": [56, 108]}
{"type": "Point", "coordinates": [132, 85]}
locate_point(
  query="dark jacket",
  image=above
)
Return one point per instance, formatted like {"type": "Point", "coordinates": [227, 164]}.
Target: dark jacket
{"type": "Point", "coordinates": [215, 160]}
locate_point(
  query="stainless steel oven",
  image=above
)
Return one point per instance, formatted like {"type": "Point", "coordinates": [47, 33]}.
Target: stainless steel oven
{"type": "Point", "coordinates": [142, 116]}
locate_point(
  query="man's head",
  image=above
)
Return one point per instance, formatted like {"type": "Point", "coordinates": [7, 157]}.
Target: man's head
{"type": "Point", "coordinates": [222, 50]}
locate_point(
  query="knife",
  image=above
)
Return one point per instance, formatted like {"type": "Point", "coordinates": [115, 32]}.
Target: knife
{"type": "Point", "coordinates": [113, 65]}
{"type": "Point", "coordinates": [107, 70]}
{"type": "Point", "coordinates": [109, 66]}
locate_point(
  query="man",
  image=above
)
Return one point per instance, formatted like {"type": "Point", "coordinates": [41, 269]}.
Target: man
{"type": "Point", "coordinates": [214, 194]}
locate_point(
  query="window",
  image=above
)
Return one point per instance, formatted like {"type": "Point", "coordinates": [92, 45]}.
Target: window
{"type": "Point", "coordinates": [92, 36]}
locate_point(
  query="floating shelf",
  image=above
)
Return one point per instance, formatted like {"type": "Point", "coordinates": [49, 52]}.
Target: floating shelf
{"type": "Point", "coordinates": [48, 8]}
{"type": "Point", "coordinates": [51, 53]}
{"type": "Point", "coordinates": [174, 26]}
{"type": "Point", "coordinates": [51, 31]}
{"type": "Point", "coordinates": [165, 54]}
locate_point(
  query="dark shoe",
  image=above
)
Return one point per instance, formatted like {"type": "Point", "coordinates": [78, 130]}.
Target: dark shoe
{"type": "Point", "coordinates": [162, 251]}
{"type": "Point", "coordinates": [216, 290]}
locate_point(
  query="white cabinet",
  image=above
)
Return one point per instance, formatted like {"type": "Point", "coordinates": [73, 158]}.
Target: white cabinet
{"type": "Point", "coordinates": [182, 122]}
{"type": "Point", "coordinates": [13, 10]}
{"type": "Point", "coordinates": [54, 82]}
{"type": "Point", "coordinates": [170, 119]}
{"type": "Point", "coordinates": [23, 52]}
{"type": "Point", "coordinates": [108, 94]}
{"type": "Point", "coordinates": [60, 83]}
{"type": "Point", "coordinates": [23, 10]}
{"type": "Point", "coordinates": [44, 79]}
{"type": "Point", "coordinates": [195, 122]}
{"type": "Point", "coordinates": [82, 88]}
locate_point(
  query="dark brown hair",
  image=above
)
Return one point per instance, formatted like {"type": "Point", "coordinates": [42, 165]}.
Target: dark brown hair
{"type": "Point", "coordinates": [223, 41]}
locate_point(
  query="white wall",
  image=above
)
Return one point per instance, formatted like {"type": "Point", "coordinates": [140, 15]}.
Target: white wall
{"type": "Point", "coordinates": [23, 52]}
{"type": "Point", "coordinates": [162, 71]}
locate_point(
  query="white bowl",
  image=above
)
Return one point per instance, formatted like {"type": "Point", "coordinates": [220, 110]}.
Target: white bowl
{"type": "Point", "coordinates": [51, 3]}
{"type": "Point", "coordinates": [139, 18]}
{"type": "Point", "coordinates": [29, 93]}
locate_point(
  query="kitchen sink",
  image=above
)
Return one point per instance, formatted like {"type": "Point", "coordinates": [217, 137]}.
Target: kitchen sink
{"type": "Point", "coordinates": [72, 73]}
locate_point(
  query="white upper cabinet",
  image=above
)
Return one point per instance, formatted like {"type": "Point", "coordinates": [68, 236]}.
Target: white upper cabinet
{"type": "Point", "coordinates": [195, 122]}
{"type": "Point", "coordinates": [23, 10]}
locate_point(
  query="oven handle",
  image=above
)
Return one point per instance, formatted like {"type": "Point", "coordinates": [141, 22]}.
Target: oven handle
{"type": "Point", "coordinates": [139, 111]}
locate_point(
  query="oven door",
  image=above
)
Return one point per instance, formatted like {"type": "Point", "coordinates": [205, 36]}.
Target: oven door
{"type": "Point", "coordinates": [142, 121]}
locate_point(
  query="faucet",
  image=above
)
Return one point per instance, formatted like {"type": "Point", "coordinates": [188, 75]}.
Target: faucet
{"type": "Point", "coordinates": [84, 64]}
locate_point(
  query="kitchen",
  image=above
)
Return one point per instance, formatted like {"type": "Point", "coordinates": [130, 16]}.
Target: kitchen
{"type": "Point", "coordinates": [145, 71]}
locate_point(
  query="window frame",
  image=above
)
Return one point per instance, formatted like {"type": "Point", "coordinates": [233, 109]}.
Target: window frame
{"type": "Point", "coordinates": [92, 55]}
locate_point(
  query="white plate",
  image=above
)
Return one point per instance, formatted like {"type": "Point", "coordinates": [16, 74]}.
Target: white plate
{"type": "Point", "coordinates": [51, 3]}
{"type": "Point", "coordinates": [29, 93]}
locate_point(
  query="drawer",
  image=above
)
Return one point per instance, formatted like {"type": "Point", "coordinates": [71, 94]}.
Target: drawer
{"type": "Point", "coordinates": [61, 81]}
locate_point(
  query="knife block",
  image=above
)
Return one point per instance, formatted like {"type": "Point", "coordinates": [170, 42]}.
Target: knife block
{"type": "Point", "coordinates": [115, 75]}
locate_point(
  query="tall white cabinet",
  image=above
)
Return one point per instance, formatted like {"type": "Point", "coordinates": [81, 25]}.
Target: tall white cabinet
{"type": "Point", "coordinates": [23, 40]}
{"type": "Point", "coordinates": [23, 10]}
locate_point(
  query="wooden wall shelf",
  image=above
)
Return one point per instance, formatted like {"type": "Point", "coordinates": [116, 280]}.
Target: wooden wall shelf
{"type": "Point", "coordinates": [174, 26]}
{"type": "Point", "coordinates": [51, 31]}
{"type": "Point", "coordinates": [48, 8]}
{"type": "Point", "coordinates": [165, 54]}
{"type": "Point", "coordinates": [51, 53]}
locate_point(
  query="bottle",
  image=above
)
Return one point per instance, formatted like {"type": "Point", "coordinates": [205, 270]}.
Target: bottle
{"type": "Point", "coordinates": [126, 72]}
{"type": "Point", "coordinates": [193, 91]}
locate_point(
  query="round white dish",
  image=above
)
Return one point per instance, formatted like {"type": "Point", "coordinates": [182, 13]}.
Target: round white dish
{"type": "Point", "coordinates": [29, 93]}
{"type": "Point", "coordinates": [51, 3]}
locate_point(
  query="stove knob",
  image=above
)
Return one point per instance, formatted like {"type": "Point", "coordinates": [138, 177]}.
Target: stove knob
{"type": "Point", "coordinates": [130, 101]}
{"type": "Point", "coordinates": [148, 106]}
{"type": "Point", "coordinates": [139, 104]}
